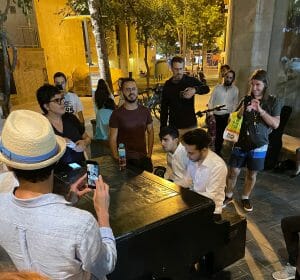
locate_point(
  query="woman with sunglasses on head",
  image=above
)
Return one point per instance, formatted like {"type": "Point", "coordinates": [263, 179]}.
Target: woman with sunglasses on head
{"type": "Point", "coordinates": [51, 101]}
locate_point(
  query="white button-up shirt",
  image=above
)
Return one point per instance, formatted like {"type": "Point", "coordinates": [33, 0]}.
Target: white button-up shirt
{"type": "Point", "coordinates": [228, 96]}
{"type": "Point", "coordinates": [207, 178]}
{"type": "Point", "coordinates": [177, 164]}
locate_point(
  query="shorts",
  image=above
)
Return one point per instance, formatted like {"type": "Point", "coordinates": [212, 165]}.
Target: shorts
{"type": "Point", "coordinates": [254, 159]}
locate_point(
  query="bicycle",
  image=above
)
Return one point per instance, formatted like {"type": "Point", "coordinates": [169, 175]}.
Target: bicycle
{"type": "Point", "coordinates": [210, 122]}
{"type": "Point", "coordinates": [200, 114]}
{"type": "Point", "coordinates": [151, 98]}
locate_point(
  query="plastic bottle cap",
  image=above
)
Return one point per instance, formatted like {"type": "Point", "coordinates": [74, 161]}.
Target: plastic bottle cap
{"type": "Point", "coordinates": [121, 145]}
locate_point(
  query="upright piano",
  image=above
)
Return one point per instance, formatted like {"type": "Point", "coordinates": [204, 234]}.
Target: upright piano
{"type": "Point", "coordinates": [162, 230]}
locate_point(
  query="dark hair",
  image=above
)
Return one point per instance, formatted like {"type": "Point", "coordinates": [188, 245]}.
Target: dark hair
{"type": "Point", "coordinates": [261, 75]}
{"type": "Point", "coordinates": [125, 80]}
{"type": "Point", "coordinates": [59, 74]}
{"type": "Point", "coordinates": [232, 72]}
{"type": "Point", "coordinates": [103, 95]}
{"type": "Point", "coordinates": [198, 137]}
{"type": "Point", "coordinates": [226, 66]}
{"type": "Point", "coordinates": [168, 130]}
{"type": "Point", "coordinates": [109, 104]}
{"type": "Point", "coordinates": [44, 94]}
{"type": "Point", "coordinates": [34, 176]}
{"type": "Point", "coordinates": [178, 59]}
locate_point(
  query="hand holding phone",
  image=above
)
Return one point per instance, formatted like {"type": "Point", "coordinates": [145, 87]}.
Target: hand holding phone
{"type": "Point", "coordinates": [101, 202]}
{"type": "Point", "coordinates": [92, 173]}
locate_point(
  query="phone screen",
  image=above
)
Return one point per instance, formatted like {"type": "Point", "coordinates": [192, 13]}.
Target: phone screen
{"type": "Point", "coordinates": [74, 165]}
{"type": "Point", "coordinates": [92, 173]}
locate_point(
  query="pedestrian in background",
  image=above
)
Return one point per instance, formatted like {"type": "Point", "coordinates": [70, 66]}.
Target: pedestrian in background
{"type": "Point", "coordinates": [104, 106]}
{"type": "Point", "coordinates": [223, 94]}
{"type": "Point", "coordinates": [72, 102]}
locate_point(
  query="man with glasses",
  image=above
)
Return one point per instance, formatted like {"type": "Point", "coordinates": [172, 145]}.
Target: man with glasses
{"type": "Point", "coordinates": [72, 102]}
{"type": "Point", "coordinates": [129, 125]}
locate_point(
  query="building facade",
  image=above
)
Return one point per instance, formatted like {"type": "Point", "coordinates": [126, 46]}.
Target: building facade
{"type": "Point", "coordinates": [266, 34]}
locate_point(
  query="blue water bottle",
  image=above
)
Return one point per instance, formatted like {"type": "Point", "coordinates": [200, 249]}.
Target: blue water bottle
{"type": "Point", "coordinates": [122, 156]}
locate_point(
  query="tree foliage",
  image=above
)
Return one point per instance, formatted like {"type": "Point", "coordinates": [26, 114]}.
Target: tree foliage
{"type": "Point", "coordinates": [205, 21]}
{"type": "Point", "coordinates": [148, 16]}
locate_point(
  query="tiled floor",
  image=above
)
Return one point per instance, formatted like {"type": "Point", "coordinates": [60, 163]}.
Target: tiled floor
{"type": "Point", "coordinates": [275, 196]}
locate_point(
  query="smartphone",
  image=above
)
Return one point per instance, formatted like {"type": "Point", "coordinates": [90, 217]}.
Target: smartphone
{"type": "Point", "coordinates": [92, 173]}
{"type": "Point", "coordinates": [247, 100]}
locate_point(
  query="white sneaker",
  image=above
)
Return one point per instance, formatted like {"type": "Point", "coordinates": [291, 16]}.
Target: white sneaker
{"type": "Point", "coordinates": [288, 272]}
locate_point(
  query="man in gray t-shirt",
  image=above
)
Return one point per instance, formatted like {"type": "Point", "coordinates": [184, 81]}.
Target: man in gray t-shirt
{"type": "Point", "coordinates": [261, 114]}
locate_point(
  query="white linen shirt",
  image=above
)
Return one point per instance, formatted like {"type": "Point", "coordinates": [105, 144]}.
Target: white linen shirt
{"type": "Point", "coordinates": [177, 164]}
{"type": "Point", "coordinates": [47, 235]}
{"type": "Point", "coordinates": [228, 96]}
{"type": "Point", "coordinates": [208, 179]}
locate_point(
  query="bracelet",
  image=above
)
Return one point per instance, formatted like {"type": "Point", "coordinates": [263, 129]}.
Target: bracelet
{"type": "Point", "coordinates": [262, 113]}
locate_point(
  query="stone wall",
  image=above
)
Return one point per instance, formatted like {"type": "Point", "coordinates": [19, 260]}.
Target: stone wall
{"type": "Point", "coordinates": [256, 40]}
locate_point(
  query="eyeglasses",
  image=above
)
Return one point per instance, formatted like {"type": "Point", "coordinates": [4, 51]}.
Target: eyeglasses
{"type": "Point", "coordinates": [58, 100]}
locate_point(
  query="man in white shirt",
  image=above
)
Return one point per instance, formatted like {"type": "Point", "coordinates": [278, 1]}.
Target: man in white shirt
{"type": "Point", "coordinates": [40, 230]}
{"type": "Point", "coordinates": [176, 154]}
{"type": "Point", "coordinates": [227, 94]}
{"type": "Point", "coordinates": [206, 171]}
{"type": "Point", "coordinates": [72, 102]}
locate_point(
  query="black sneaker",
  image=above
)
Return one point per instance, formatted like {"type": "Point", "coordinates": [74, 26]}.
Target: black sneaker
{"type": "Point", "coordinates": [247, 205]}
{"type": "Point", "coordinates": [226, 201]}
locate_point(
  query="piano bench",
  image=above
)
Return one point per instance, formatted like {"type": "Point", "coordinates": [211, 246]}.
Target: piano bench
{"type": "Point", "coordinates": [234, 249]}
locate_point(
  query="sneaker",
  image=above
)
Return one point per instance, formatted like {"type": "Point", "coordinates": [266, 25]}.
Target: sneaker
{"type": "Point", "coordinates": [226, 201]}
{"type": "Point", "coordinates": [288, 272]}
{"type": "Point", "coordinates": [247, 205]}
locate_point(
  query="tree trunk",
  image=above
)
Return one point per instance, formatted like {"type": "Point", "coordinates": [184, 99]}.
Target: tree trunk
{"type": "Point", "coordinates": [179, 40]}
{"type": "Point", "coordinates": [146, 62]}
{"type": "Point", "coordinates": [101, 47]}
{"type": "Point", "coordinates": [6, 64]}
{"type": "Point", "coordinates": [7, 73]}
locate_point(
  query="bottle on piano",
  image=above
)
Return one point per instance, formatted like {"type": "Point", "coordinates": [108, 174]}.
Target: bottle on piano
{"type": "Point", "coordinates": [122, 156]}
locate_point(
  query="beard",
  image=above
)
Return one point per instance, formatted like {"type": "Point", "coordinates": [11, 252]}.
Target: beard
{"type": "Point", "coordinates": [227, 84]}
{"type": "Point", "coordinates": [177, 78]}
{"type": "Point", "coordinates": [130, 100]}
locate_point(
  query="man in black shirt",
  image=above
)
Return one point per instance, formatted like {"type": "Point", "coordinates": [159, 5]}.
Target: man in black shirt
{"type": "Point", "coordinates": [177, 106]}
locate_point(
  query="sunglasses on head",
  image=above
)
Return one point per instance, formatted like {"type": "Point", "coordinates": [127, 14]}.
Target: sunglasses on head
{"type": "Point", "coordinates": [58, 100]}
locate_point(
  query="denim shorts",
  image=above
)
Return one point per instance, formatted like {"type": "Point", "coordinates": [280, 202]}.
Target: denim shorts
{"type": "Point", "coordinates": [254, 159]}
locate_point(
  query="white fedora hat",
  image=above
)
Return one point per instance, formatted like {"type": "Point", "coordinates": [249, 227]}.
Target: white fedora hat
{"type": "Point", "coordinates": [28, 141]}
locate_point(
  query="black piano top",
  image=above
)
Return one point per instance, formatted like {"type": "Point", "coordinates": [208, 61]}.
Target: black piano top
{"type": "Point", "coordinates": [138, 201]}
